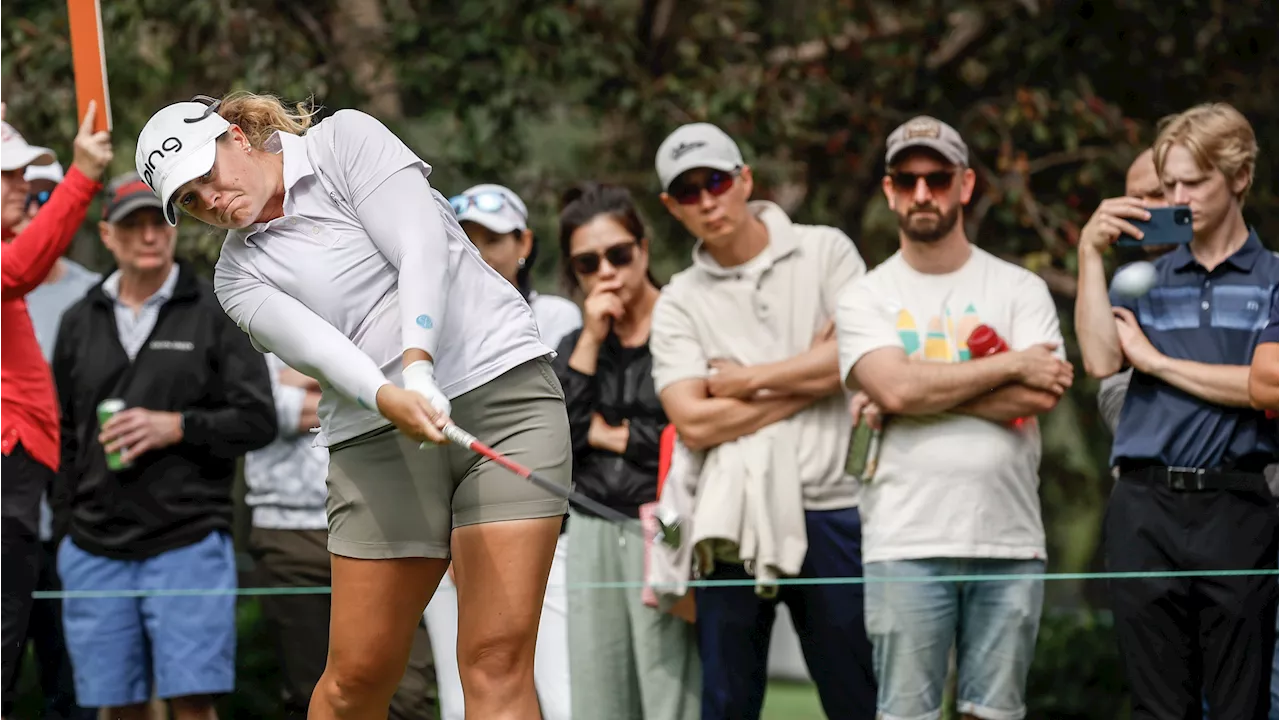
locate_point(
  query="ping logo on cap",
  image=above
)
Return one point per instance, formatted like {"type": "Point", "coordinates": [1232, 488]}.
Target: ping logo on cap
{"type": "Point", "coordinates": [922, 128]}
{"type": "Point", "coordinates": [170, 145]}
{"type": "Point", "coordinates": [685, 148]}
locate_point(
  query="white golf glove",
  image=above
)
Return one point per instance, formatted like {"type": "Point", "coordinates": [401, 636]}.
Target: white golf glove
{"type": "Point", "coordinates": [420, 377]}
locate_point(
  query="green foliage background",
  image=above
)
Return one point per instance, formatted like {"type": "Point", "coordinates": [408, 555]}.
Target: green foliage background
{"type": "Point", "coordinates": [1055, 98]}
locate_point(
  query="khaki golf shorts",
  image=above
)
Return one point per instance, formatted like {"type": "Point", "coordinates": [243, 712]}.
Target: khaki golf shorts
{"type": "Point", "coordinates": [390, 499]}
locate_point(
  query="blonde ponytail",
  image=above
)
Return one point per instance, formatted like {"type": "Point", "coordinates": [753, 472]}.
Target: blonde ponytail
{"type": "Point", "coordinates": [261, 116]}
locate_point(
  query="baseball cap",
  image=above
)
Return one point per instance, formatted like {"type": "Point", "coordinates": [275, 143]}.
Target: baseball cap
{"type": "Point", "coordinates": [51, 172]}
{"type": "Point", "coordinates": [177, 146]}
{"type": "Point", "coordinates": [696, 145]}
{"type": "Point", "coordinates": [495, 207]}
{"type": "Point", "coordinates": [126, 193]}
{"type": "Point", "coordinates": [16, 154]}
{"type": "Point", "coordinates": [927, 132]}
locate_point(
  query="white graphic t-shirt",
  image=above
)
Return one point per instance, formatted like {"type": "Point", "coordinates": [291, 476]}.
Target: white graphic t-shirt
{"type": "Point", "coordinates": [949, 485]}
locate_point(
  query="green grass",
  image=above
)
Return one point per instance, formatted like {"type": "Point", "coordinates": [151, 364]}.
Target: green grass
{"type": "Point", "coordinates": [791, 701]}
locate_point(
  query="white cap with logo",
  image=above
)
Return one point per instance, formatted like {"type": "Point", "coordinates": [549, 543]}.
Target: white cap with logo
{"type": "Point", "coordinates": [696, 145]}
{"type": "Point", "coordinates": [495, 207]}
{"type": "Point", "coordinates": [16, 154]}
{"type": "Point", "coordinates": [177, 146]}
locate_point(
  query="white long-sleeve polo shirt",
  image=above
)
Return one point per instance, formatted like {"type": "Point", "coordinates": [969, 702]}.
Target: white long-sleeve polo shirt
{"type": "Point", "coordinates": [366, 262]}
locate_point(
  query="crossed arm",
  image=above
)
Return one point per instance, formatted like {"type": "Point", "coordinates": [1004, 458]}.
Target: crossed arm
{"type": "Point", "coordinates": [738, 400]}
{"type": "Point", "coordinates": [1264, 377]}
{"type": "Point", "coordinates": [997, 388]}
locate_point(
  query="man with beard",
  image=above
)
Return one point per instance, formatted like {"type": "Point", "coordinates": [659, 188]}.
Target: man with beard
{"type": "Point", "coordinates": [956, 488]}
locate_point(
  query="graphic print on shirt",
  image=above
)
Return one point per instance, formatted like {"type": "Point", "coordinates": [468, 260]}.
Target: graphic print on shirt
{"type": "Point", "coordinates": [944, 339]}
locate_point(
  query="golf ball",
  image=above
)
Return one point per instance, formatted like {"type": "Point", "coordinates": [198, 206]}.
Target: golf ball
{"type": "Point", "coordinates": [1135, 279]}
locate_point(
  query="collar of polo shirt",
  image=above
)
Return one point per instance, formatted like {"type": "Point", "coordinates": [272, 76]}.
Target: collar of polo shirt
{"type": "Point", "coordinates": [297, 167]}
{"type": "Point", "coordinates": [782, 240]}
{"type": "Point", "coordinates": [1243, 259]}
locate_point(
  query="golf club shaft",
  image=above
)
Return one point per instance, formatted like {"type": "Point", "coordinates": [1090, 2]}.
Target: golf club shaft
{"type": "Point", "coordinates": [461, 437]}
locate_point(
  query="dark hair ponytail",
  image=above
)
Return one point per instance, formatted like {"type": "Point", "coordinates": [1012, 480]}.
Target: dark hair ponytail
{"type": "Point", "coordinates": [585, 202]}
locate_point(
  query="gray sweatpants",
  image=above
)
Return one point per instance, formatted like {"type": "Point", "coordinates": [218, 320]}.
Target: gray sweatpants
{"type": "Point", "coordinates": [628, 661]}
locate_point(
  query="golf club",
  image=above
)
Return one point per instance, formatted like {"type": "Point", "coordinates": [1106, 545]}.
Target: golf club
{"type": "Point", "coordinates": [461, 437]}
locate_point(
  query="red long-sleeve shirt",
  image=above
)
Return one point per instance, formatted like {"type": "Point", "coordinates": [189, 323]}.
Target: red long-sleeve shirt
{"type": "Point", "coordinates": [28, 405]}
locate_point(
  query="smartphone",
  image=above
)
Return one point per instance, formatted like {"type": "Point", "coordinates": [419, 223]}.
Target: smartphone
{"type": "Point", "coordinates": [1167, 226]}
{"type": "Point", "coordinates": [864, 452]}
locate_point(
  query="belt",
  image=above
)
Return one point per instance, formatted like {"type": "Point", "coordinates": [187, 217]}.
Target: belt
{"type": "Point", "coordinates": [1184, 479]}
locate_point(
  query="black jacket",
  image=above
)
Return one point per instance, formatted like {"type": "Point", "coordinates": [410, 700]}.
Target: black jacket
{"type": "Point", "coordinates": [197, 362]}
{"type": "Point", "coordinates": [622, 388]}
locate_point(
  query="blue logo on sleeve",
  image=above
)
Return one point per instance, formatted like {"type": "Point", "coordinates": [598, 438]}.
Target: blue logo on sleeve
{"type": "Point", "coordinates": [424, 322]}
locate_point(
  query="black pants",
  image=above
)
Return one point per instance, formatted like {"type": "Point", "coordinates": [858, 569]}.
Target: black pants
{"type": "Point", "coordinates": [300, 624]}
{"type": "Point", "coordinates": [44, 632]}
{"type": "Point", "coordinates": [735, 626]}
{"type": "Point", "coordinates": [1178, 635]}
{"type": "Point", "coordinates": [23, 482]}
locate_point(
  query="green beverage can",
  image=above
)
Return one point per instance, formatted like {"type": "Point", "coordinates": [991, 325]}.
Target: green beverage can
{"type": "Point", "coordinates": [106, 409]}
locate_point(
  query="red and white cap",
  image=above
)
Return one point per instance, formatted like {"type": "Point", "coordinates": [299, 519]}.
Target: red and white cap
{"type": "Point", "coordinates": [176, 146]}
{"type": "Point", "coordinates": [16, 154]}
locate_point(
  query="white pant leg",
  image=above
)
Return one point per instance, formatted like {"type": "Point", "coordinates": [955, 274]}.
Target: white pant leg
{"type": "Point", "coordinates": [551, 662]}
{"type": "Point", "coordinates": [442, 625]}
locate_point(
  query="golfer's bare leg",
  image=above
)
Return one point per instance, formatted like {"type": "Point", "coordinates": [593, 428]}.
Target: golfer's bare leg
{"type": "Point", "coordinates": [501, 571]}
{"type": "Point", "coordinates": [376, 608]}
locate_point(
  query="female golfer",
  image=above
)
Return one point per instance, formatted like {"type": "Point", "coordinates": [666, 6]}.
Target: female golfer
{"type": "Point", "coordinates": [343, 261]}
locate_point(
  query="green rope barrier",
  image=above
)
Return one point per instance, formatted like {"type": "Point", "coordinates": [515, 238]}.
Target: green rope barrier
{"type": "Point", "coordinates": [635, 585]}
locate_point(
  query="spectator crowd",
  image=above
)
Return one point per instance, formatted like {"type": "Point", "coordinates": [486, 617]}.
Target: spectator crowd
{"type": "Point", "coordinates": [780, 410]}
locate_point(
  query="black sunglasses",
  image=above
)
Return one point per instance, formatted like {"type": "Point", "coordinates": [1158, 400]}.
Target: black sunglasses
{"type": "Point", "coordinates": [717, 183]}
{"type": "Point", "coordinates": [211, 107]}
{"type": "Point", "coordinates": [937, 181]}
{"type": "Point", "coordinates": [620, 255]}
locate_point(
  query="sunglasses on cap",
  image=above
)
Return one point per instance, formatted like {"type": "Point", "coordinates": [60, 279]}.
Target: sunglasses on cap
{"type": "Point", "coordinates": [717, 183]}
{"type": "Point", "coordinates": [485, 202]}
{"type": "Point", "coordinates": [211, 107]}
{"type": "Point", "coordinates": [619, 256]}
{"type": "Point", "coordinates": [936, 181]}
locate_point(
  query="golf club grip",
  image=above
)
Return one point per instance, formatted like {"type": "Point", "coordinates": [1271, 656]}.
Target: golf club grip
{"type": "Point", "coordinates": [458, 436]}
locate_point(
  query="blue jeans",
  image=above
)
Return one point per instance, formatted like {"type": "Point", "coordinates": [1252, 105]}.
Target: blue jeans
{"type": "Point", "coordinates": [993, 625]}
{"type": "Point", "coordinates": [118, 645]}
{"type": "Point", "coordinates": [734, 629]}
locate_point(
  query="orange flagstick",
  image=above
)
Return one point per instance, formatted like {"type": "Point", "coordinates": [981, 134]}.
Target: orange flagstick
{"type": "Point", "coordinates": [89, 60]}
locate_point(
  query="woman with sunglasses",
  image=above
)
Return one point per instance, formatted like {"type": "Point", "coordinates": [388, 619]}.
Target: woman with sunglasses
{"type": "Point", "coordinates": [627, 660]}
{"type": "Point", "coordinates": [497, 222]}
{"type": "Point", "coordinates": [343, 261]}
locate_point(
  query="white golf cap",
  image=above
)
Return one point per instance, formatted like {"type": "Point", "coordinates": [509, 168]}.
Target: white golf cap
{"type": "Point", "coordinates": [51, 172]}
{"type": "Point", "coordinates": [501, 216]}
{"type": "Point", "coordinates": [697, 145]}
{"type": "Point", "coordinates": [177, 146]}
{"type": "Point", "coordinates": [16, 154]}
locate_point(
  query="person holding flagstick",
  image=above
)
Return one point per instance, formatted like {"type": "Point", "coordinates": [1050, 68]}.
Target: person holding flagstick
{"type": "Point", "coordinates": [345, 262]}
{"type": "Point", "coordinates": [28, 407]}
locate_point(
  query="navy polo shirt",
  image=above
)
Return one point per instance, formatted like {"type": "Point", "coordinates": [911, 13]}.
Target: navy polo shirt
{"type": "Point", "coordinates": [1215, 317]}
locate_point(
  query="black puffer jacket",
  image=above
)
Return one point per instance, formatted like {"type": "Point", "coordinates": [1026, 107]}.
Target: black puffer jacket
{"type": "Point", "coordinates": [621, 389]}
